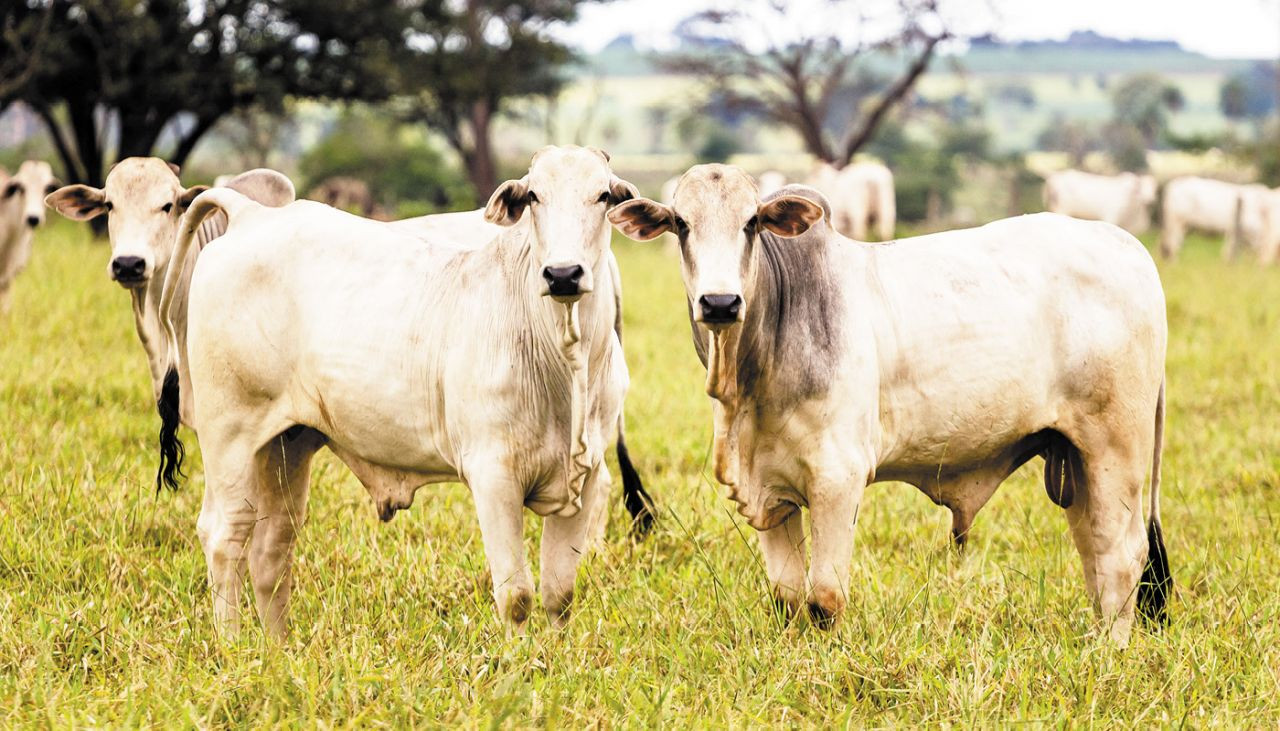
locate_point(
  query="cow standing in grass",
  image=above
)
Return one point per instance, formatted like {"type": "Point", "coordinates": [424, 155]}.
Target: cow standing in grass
{"type": "Point", "coordinates": [21, 212]}
{"type": "Point", "coordinates": [497, 366]}
{"type": "Point", "coordinates": [1124, 200]}
{"type": "Point", "coordinates": [944, 361]}
{"type": "Point", "coordinates": [144, 201]}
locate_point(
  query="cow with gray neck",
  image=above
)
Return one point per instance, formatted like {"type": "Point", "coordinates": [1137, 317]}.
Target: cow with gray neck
{"type": "Point", "coordinates": [944, 361]}
{"type": "Point", "coordinates": [21, 212]}
{"type": "Point", "coordinates": [497, 366]}
{"type": "Point", "coordinates": [144, 200]}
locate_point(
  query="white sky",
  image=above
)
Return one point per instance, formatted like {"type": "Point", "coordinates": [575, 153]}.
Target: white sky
{"type": "Point", "coordinates": [1220, 28]}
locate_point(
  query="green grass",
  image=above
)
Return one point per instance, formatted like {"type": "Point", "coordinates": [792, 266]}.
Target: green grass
{"type": "Point", "coordinates": [106, 618]}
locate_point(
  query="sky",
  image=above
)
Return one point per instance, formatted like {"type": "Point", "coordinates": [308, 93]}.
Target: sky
{"type": "Point", "coordinates": [1218, 28]}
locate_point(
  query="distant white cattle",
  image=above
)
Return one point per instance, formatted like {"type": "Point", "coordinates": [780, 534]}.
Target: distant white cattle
{"type": "Point", "coordinates": [1239, 213]}
{"type": "Point", "coordinates": [944, 361]}
{"type": "Point", "coordinates": [21, 212]}
{"type": "Point", "coordinates": [146, 199]}
{"type": "Point", "coordinates": [770, 181]}
{"type": "Point", "coordinates": [497, 366]}
{"type": "Point", "coordinates": [860, 194]}
{"type": "Point", "coordinates": [1124, 200]}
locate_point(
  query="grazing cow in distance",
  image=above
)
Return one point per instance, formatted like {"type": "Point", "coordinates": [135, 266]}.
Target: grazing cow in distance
{"type": "Point", "coordinates": [347, 193]}
{"type": "Point", "coordinates": [860, 194]}
{"type": "Point", "coordinates": [1124, 200]}
{"type": "Point", "coordinates": [145, 200]}
{"type": "Point", "coordinates": [944, 361]}
{"type": "Point", "coordinates": [21, 212]}
{"type": "Point", "coordinates": [497, 366]}
{"type": "Point", "coordinates": [1239, 213]}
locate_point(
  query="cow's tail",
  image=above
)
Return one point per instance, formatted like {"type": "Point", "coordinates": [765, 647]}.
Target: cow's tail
{"type": "Point", "coordinates": [634, 496]}
{"type": "Point", "coordinates": [1156, 583]}
{"type": "Point", "coordinates": [638, 503]}
{"type": "Point", "coordinates": [172, 452]}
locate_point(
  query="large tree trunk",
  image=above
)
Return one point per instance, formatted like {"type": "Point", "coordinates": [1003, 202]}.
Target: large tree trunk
{"type": "Point", "coordinates": [481, 169]}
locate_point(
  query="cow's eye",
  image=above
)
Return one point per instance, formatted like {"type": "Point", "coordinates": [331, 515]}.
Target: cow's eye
{"type": "Point", "coordinates": [51, 187]}
{"type": "Point", "coordinates": [533, 197]}
{"type": "Point", "coordinates": [604, 197]}
{"type": "Point", "coordinates": [108, 206]}
{"type": "Point", "coordinates": [166, 207]}
{"type": "Point", "coordinates": [681, 225]}
{"type": "Point", "coordinates": [750, 228]}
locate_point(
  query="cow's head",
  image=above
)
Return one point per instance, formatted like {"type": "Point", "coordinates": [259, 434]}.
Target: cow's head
{"type": "Point", "coordinates": [24, 193]}
{"type": "Point", "coordinates": [566, 194]}
{"type": "Point", "coordinates": [718, 216]}
{"type": "Point", "coordinates": [144, 201]}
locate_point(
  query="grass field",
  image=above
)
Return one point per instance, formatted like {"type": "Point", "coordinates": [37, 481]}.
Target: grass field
{"type": "Point", "coordinates": [105, 618]}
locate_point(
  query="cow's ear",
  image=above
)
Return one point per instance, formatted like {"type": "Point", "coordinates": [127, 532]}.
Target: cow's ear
{"type": "Point", "coordinates": [788, 215]}
{"type": "Point", "coordinates": [642, 219]}
{"type": "Point", "coordinates": [177, 169]}
{"type": "Point", "coordinates": [621, 191]}
{"type": "Point", "coordinates": [78, 202]}
{"type": "Point", "coordinates": [189, 195]}
{"type": "Point", "coordinates": [507, 203]}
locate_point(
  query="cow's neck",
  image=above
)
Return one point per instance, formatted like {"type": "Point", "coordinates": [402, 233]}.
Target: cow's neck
{"type": "Point", "coordinates": [578, 332]}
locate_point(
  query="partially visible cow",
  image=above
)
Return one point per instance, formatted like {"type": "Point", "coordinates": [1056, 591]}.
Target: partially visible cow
{"type": "Point", "coordinates": [944, 361]}
{"type": "Point", "coordinates": [1266, 238]}
{"type": "Point", "coordinates": [770, 181]}
{"type": "Point", "coordinates": [21, 212]}
{"type": "Point", "coordinates": [860, 194]}
{"type": "Point", "coordinates": [1124, 200]}
{"type": "Point", "coordinates": [145, 200]}
{"type": "Point", "coordinates": [349, 194]}
{"type": "Point", "coordinates": [498, 366]}
{"type": "Point", "coordinates": [1236, 212]}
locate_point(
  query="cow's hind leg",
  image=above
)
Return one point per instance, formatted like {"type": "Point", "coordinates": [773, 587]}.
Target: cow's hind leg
{"type": "Point", "coordinates": [565, 539]}
{"type": "Point", "coordinates": [227, 518]}
{"type": "Point", "coordinates": [1106, 520]}
{"type": "Point", "coordinates": [284, 481]}
{"type": "Point", "coordinates": [783, 549]}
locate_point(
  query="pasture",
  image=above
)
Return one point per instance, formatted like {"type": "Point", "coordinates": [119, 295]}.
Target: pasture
{"type": "Point", "coordinates": [107, 621]}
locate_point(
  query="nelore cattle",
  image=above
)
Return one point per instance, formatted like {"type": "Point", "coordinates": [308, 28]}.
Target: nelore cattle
{"type": "Point", "coordinates": [944, 361]}
{"type": "Point", "coordinates": [1243, 214]}
{"type": "Point", "coordinates": [144, 200]}
{"type": "Point", "coordinates": [860, 194]}
{"type": "Point", "coordinates": [1124, 200]}
{"type": "Point", "coordinates": [498, 366]}
{"type": "Point", "coordinates": [21, 212]}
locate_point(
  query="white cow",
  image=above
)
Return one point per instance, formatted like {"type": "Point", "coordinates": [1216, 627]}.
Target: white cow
{"type": "Point", "coordinates": [145, 200]}
{"type": "Point", "coordinates": [770, 181]}
{"type": "Point", "coordinates": [21, 211]}
{"type": "Point", "coordinates": [859, 194]}
{"type": "Point", "coordinates": [1234, 211]}
{"type": "Point", "coordinates": [497, 366]}
{"type": "Point", "coordinates": [1266, 238]}
{"type": "Point", "coordinates": [944, 361]}
{"type": "Point", "coordinates": [1124, 200]}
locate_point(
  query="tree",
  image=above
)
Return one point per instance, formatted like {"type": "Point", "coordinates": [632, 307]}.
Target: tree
{"type": "Point", "coordinates": [467, 59]}
{"type": "Point", "coordinates": [130, 71]}
{"type": "Point", "coordinates": [1143, 101]}
{"type": "Point", "coordinates": [798, 81]}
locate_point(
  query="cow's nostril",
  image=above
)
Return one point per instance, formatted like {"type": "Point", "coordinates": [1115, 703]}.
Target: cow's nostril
{"type": "Point", "coordinates": [128, 268]}
{"type": "Point", "coordinates": [563, 281]}
{"type": "Point", "coordinates": [720, 308]}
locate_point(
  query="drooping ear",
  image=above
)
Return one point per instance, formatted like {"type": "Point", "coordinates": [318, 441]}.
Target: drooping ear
{"type": "Point", "coordinates": [78, 202]}
{"type": "Point", "coordinates": [788, 215]}
{"type": "Point", "coordinates": [642, 219]}
{"type": "Point", "coordinates": [190, 194]}
{"type": "Point", "coordinates": [621, 191]}
{"type": "Point", "coordinates": [177, 170]}
{"type": "Point", "coordinates": [507, 203]}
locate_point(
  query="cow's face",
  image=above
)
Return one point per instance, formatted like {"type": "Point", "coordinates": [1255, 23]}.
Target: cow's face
{"type": "Point", "coordinates": [143, 200]}
{"type": "Point", "coordinates": [566, 194]}
{"type": "Point", "coordinates": [24, 193]}
{"type": "Point", "coordinates": [718, 217]}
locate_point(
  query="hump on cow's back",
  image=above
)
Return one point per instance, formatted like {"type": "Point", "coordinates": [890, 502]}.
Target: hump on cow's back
{"type": "Point", "coordinates": [264, 185]}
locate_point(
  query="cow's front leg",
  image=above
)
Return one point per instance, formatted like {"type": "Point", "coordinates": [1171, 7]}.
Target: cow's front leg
{"type": "Point", "coordinates": [565, 540]}
{"type": "Point", "coordinates": [783, 550]}
{"type": "Point", "coordinates": [833, 514]}
{"type": "Point", "coordinates": [499, 502]}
